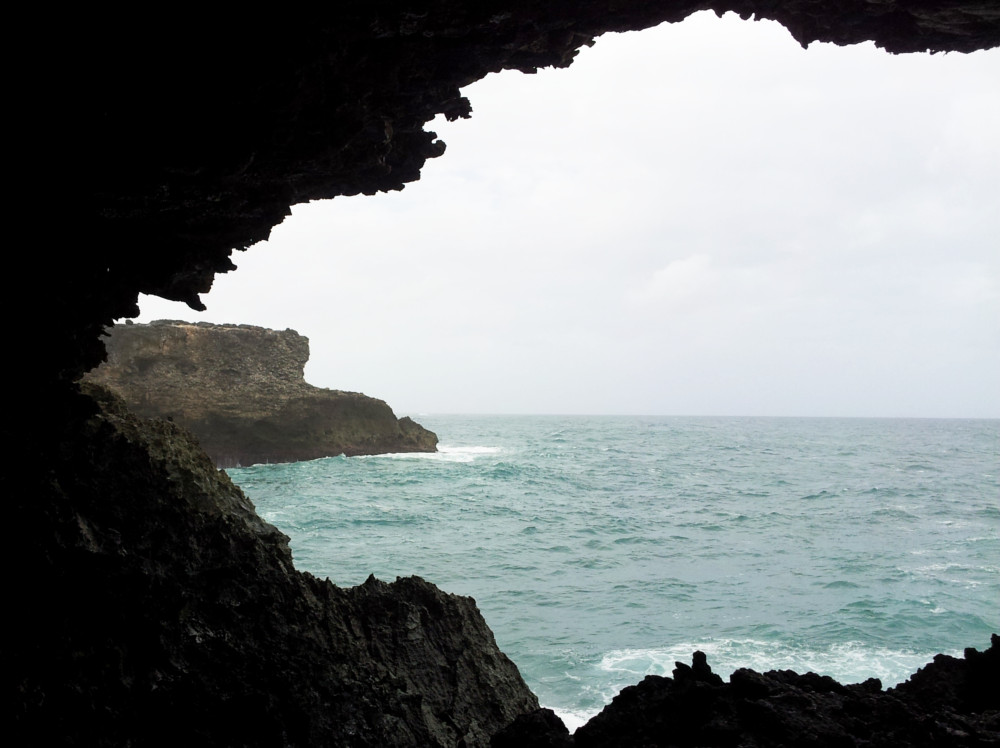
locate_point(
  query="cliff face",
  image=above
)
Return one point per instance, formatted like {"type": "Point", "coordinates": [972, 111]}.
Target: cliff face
{"type": "Point", "coordinates": [241, 391]}
{"type": "Point", "coordinates": [171, 614]}
{"type": "Point", "coordinates": [149, 604]}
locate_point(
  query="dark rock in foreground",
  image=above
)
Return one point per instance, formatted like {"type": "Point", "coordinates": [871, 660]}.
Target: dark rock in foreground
{"type": "Point", "coordinates": [171, 614]}
{"type": "Point", "coordinates": [949, 702]}
{"type": "Point", "coordinates": [149, 605]}
{"type": "Point", "coordinates": [241, 390]}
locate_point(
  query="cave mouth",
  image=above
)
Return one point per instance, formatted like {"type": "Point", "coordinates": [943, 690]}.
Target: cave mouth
{"type": "Point", "coordinates": [178, 156]}
{"type": "Point", "coordinates": [706, 218]}
{"type": "Point", "coordinates": [816, 142]}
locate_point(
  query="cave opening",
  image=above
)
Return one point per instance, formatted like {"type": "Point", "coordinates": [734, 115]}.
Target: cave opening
{"type": "Point", "coordinates": [704, 217]}
{"type": "Point", "coordinates": [770, 221]}
{"type": "Point", "coordinates": [152, 605]}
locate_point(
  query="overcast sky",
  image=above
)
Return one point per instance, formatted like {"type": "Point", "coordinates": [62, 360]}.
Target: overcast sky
{"type": "Point", "coordinates": [699, 219]}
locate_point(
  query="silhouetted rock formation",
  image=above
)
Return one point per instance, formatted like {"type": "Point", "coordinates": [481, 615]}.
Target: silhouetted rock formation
{"type": "Point", "coordinates": [240, 389]}
{"type": "Point", "coordinates": [171, 614]}
{"type": "Point", "coordinates": [949, 702]}
{"type": "Point", "coordinates": [178, 141]}
{"type": "Point", "coordinates": [147, 150]}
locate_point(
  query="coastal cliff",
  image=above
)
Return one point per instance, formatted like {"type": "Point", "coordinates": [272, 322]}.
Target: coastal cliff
{"type": "Point", "coordinates": [172, 614]}
{"type": "Point", "coordinates": [149, 604]}
{"type": "Point", "coordinates": [241, 390]}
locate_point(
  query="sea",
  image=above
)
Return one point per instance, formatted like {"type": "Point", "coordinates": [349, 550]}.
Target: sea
{"type": "Point", "coordinates": [603, 549]}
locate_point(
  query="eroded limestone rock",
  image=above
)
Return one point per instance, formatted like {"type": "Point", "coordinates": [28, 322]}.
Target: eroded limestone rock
{"type": "Point", "coordinates": [164, 611]}
{"type": "Point", "coordinates": [241, 390]}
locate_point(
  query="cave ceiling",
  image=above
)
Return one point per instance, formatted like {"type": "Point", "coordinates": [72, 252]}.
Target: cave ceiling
{"type": "Point", "coordinates": [182, 139]}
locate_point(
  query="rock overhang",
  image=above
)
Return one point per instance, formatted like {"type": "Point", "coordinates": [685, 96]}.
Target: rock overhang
{"type": "Point", "coordinates": [171, 143]}
{"type": "Point", "coordinates": [185, 138]}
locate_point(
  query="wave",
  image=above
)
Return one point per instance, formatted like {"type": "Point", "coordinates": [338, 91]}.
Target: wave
{"type": "Point", "coordinates": [445, 453]}
{"type": "Point", "coordinates": [572, 718]}
{"type": "Point", "coordinates": [847, 662]}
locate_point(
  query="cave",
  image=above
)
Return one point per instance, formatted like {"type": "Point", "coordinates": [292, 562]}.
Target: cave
{"type": "Point", "coordinates": [151, 604]}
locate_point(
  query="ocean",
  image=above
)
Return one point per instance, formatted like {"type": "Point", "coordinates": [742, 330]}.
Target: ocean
{"type": "Point", "coordinates": [602, 549]}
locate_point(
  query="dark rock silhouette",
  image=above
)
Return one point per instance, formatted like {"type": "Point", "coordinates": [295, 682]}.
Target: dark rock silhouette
{"type": "Point", "coordinates": [949, 702]}
{"type": "Point", "coordinates": [178, 141]}
{"type": "Point", "coordinates": [240, 389]}
{"type": "Point", "coordinates": [172, 614]}
{"type": "Point", "coordinates": [148, 604]}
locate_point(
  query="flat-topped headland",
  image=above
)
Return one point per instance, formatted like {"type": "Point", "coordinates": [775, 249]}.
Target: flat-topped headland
{"type": "Point", "coordinates": [242, 391]}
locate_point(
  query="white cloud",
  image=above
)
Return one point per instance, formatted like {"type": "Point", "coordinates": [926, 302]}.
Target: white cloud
{"type": "Point", "coordinates": [686, 283]}
{"type": "Point", "coordinates": [700, 218]}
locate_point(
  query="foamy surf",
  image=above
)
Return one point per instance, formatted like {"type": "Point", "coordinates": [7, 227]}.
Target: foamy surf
{"type": "Point", "coordinates": [573, 719]}
{"type": "Point", "coordinates": [848, 662]}
{"type": "Point", "coordinates": [445, 453]}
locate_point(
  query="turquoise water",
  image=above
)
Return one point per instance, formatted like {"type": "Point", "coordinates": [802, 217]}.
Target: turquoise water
{"type": "Point", "coordinates": [601, 549]}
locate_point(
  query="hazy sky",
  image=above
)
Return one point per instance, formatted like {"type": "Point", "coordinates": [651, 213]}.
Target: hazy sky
{"type": "Point", "coordinates": [701, 219]}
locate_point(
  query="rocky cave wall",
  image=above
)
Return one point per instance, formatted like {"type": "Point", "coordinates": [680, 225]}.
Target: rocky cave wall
{"type": "Point", "coordinates": [173, 141]}
{"type": "Point", "coordinates": [146, 594]}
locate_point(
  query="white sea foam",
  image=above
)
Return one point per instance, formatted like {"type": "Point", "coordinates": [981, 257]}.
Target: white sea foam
{"type": "Point", "coordinates": [950, 566]}
{"type": "Point", "coordinates": [572, 718]}
{"type": "Point", "coordinates": [448, 449]}
{"type": "Point", "coordinates": [445, 453]}
{"type": "Point", "coordinates": [848, 662]}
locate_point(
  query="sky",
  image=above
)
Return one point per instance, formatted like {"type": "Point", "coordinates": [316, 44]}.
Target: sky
{"type": "Point", "coordinates": [698, 219]}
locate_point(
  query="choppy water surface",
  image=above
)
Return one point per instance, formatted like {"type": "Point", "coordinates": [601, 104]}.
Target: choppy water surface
{"type": "Point", "coordinates": [601, 549]}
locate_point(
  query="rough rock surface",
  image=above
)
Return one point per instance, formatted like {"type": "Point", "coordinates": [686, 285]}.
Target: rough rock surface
{"type": "Point", "coordinates": [177, 141]}
{"type": "Point", "coordinates": [146, 150]}
{"type": "Point", "coordinates": [171, 614]}
{"type": "Point", "coordinates": [949, 702]}
{"type": "Point", "coordinates": [241, 390]}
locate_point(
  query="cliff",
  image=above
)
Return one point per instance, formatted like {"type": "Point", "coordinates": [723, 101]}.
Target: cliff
{"type": "Point", "coordinates": [241, 390]}
{"type": "Point", "coordinates": [171, 614]}
{"type": "Point", "coordinates": [148, 604]}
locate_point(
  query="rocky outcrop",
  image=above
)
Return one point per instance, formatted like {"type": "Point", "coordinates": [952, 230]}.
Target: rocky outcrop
{"type": "Point", "coordinates": [949, 702]}
{"type": "Point", "coordinates": [241, 390]}
{"type": "Point", "coordinates": [147, 151]}
{"type": "Point", "coordinates": [171, 614]}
